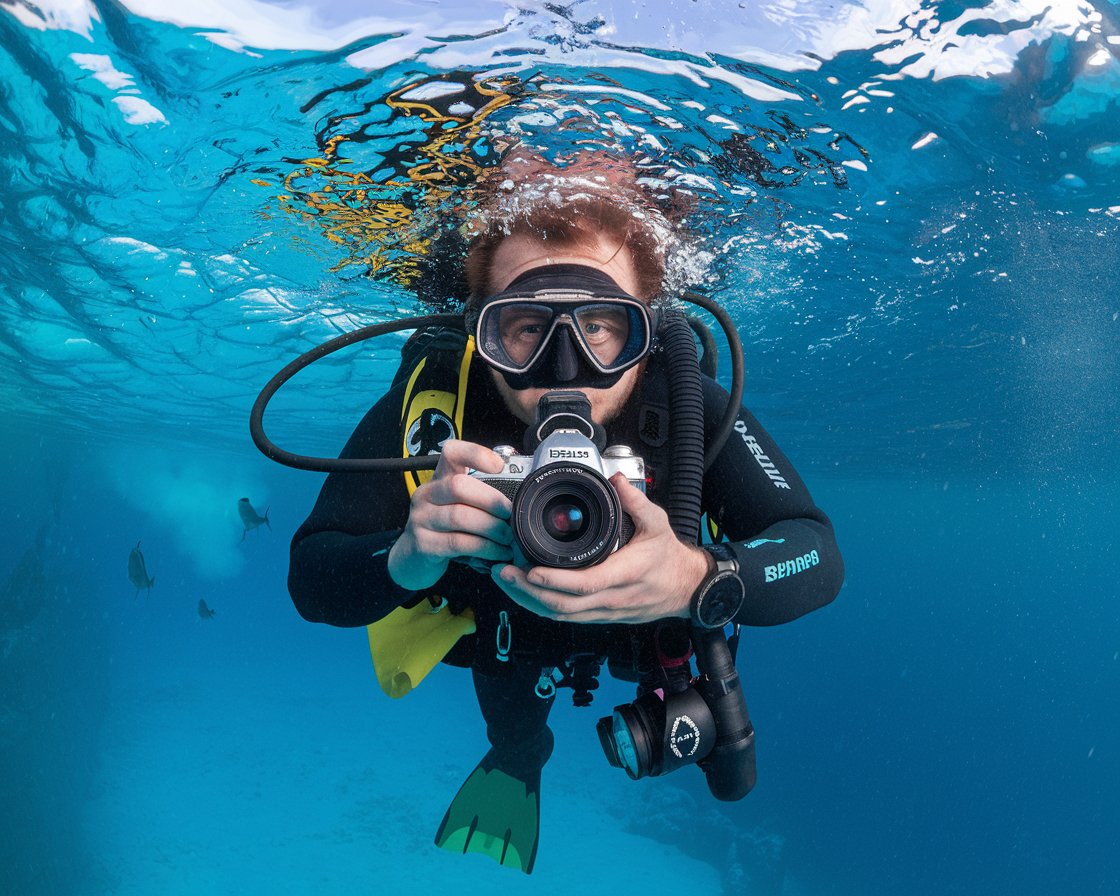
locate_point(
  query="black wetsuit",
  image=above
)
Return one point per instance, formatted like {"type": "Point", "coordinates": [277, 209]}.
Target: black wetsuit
{"type": "Point", "coordinates": [788, 558]}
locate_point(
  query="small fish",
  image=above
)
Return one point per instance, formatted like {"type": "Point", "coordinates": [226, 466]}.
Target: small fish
{"type": "Point", "coordinates": [204, 611]}
{"type": "Point", "coordinates": [250, 518]}
{"type": "Point", "coordinates": [138, 572]}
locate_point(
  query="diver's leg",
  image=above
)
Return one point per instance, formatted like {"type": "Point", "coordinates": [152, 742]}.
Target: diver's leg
{"type": "Point", "coordinates": [516, 719]}
{"type": "Point", "coordinates": [497, 810]}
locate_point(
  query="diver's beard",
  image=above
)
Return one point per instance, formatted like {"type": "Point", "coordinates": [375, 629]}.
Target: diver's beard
{"type": "Point", "coordinates": [600, 381]}
{"type": "Point", "coordinates": [606, 404]}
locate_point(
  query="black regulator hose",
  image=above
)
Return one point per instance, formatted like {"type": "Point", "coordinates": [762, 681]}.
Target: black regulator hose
{"type": "Point", "coordinates": [686, 403]}
{"type": "Point", "coordinates": [709, 353]}
{"type": "Point", "coordinates": [686, 409]}
{"type": "Point", "coordinates": [341, 464]}
{"type": "Point", "coordinates": [738, 374]}
{"type": "Point", "coordinates": [686, 483]}
{"type": "Point", "coordinates": [428, 462]}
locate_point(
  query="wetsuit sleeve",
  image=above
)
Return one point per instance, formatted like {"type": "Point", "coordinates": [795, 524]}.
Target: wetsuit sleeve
{"type": "Point", "coordinates": [788, 557]}
{"type": "Point", "coordinates": [338, 571]}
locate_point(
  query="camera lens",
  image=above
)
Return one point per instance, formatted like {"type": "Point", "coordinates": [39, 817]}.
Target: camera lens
{"type": "Point", "coordinates": [629, 736]}
{"type": "Point", "coordinates": [627, 748]}
{"type": "Point", "coordinates": [658, 733]}
{"type": "Point", "coordinates": [565, 519]}
{"type": "Point", "coordinates": [566, 516]}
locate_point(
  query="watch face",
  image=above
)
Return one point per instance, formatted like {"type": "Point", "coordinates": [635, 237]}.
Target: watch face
{"type": "Point", "coordinates": [721, 601]}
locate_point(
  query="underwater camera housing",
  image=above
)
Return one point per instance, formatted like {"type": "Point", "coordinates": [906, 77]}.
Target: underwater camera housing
{"type": "Point", "coordinates": [565, 511]}
{"type": "Point", "coordinates": [685, 721]}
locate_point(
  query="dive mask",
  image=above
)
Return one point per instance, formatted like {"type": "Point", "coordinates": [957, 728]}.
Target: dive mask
{"type": "Point", "coordinates": [563, 326]}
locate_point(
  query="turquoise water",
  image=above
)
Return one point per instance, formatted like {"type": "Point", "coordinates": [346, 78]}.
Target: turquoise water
{"type": "Point", "coordinates": [912, 212]}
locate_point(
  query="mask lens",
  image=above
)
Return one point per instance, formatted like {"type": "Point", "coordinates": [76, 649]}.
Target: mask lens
{"type": "Point", "coordinates": [521, 327]}
{"type": "Point", "coordinates": [605, 330]}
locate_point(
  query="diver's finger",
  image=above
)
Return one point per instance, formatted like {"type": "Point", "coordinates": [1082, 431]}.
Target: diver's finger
{"type": "Point", "coordinates": [490, 550]}
{"type": "Point", "coordinates": [562, 607]}
{"type": "Point", "coordinates": [646, 515]}
{"type": "Point", "coordinates": [546, 601]}
{"type": "Point", "coordinates": [619, 570]}
{"type": "Point", "coordinates": [475, 493]}
{"type": "Point", "coordinates": [463, 489]}
{"type": "Point", "coordinates": [573, 582]}
{"type": "Point", "coordinates": [508, 577]}
{"type": "Point", "coordinates": [453, 545]}
{"type": "Point", "coordinates": [458, 456]}
{"type": "Point", "coordinates": [470, 520]}
{"type": "Point", "coordinates": [618, 605]}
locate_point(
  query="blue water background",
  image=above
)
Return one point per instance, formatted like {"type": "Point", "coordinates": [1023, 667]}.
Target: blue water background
{"type": "Point", "coordinates": [942, 367]}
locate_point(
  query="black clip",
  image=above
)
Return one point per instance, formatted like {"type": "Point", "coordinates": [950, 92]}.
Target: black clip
{"type": "Point", "coordinates": [504, 637]}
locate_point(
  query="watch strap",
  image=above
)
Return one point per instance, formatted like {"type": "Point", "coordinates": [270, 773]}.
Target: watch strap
{"type": "Point", "coordinates": [722, 551]}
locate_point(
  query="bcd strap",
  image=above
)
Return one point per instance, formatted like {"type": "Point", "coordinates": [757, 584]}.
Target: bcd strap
{"type": "Point", "coordinates": [435, 395]}
{"type": "Point", "coordinates": [435, 363]}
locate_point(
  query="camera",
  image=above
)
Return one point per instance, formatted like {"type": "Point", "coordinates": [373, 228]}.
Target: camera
{"type": "Point", "coordinates": [685, 721]}
{"type": "Point", "coordinates": [565, 511]}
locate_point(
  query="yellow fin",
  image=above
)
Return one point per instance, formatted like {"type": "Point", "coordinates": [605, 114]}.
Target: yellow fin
{"type": "Point", "coordinates": [407, 644]}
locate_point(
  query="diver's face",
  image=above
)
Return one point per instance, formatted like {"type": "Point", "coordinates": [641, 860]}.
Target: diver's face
{"type": "Point", "coordinates": [606, 404]}
{"type": "Point", "coordinates": [520, 253]}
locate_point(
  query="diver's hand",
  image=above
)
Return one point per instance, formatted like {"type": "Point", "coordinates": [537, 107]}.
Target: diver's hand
{"type": "Point", "coordinates": [452, 515]}
{"type": "Point", "coordinates": [651, 577]}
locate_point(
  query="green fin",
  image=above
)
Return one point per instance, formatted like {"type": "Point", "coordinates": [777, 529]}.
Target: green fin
{"type": "Point", "coordinates": [407, 644]}
{"type": "Point", "coordinates": [495, 814]}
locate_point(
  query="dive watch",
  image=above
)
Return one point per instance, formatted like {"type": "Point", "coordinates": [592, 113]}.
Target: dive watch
{"type": "Point", "coordinates": [721, 592]}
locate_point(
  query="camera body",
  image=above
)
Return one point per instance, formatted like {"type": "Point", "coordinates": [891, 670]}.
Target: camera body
{"type": "Point", "coordinates": [565, 446]}
{"type": "Point", "coordinates": [565, 511]}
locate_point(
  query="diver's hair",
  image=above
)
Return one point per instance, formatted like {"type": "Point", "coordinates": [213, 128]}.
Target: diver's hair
{"type": "Point", "coordinates": [571, 208]}
{"type": "Point", "coordinates": [575, 226]}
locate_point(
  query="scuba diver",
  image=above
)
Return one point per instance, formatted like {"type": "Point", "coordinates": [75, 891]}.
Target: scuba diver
{"type": "Point", "coordinates": [564, 351]}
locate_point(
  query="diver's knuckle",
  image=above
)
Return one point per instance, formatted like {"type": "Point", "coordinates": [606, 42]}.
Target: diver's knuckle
{"type": "Point", "coordinates": [553, 604]}
{"type": "Point", "coordinates": [540, 579]}
{"type": "Point", "coordinates": [453, 517]}
{"type": "Point", "coordinates": [456, 482]}
{"type": "Point", "coordinates": [617, 603]}
{"type": "Point", "coordinates": [450, 452]}
{"type": "Point", "coordinates": [462, 545]}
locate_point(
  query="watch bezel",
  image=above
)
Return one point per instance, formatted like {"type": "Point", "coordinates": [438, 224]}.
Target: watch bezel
{"type": "Point", "coordinates": [727, 568]}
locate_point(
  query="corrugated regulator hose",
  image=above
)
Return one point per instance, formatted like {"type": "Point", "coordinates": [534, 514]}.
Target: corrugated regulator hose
{"type": "Point", "coordinates": [686, 403]}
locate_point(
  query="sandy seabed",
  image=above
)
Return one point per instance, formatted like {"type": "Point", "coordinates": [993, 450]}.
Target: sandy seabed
{"type": "Point", "coordinates": [266, 789]}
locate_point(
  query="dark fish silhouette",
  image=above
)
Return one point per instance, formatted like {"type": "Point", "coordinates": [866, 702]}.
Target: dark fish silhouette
{"type": "Point", "coordinates": [204, 611]}
{"type": "Point", "coordinates": [250, 518]}
{"type": "Point", "coordinates": [138, 572]}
